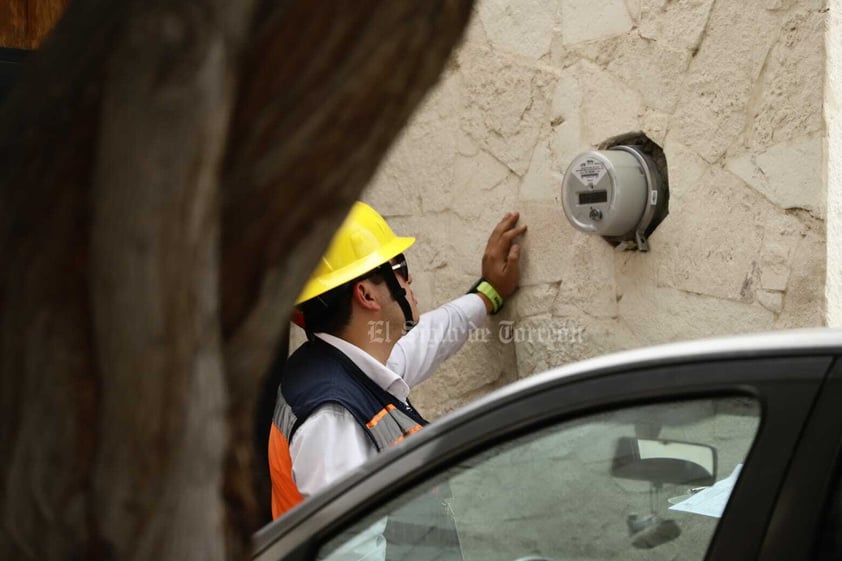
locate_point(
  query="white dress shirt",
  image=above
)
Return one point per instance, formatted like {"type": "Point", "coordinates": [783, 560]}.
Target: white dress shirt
{"type": "Point", "coordinates": [330, 443]}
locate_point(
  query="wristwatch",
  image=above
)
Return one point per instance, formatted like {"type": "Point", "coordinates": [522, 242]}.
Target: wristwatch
{"type": "Point", "coordinates": [484, 287]}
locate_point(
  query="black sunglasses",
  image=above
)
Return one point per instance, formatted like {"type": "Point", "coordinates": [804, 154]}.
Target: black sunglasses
{"type": "Point", "coordinates": [400, 266]}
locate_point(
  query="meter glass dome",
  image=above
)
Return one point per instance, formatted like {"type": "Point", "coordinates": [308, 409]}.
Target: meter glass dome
{"type": "Point", "coordinates": [615, 193]}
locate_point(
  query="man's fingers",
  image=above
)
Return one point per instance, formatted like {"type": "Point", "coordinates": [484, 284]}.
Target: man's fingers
{"type": "Point", "coordinates": [500, 262]}
{"type": "Point", "coordinates": [509, 219]}
{"type": "Point", "coordinates": [511, 234]}
{"type": "Point", "coordinates": [500, 234]}
{"type": "Point", "coordinates": [514, 254]}
{"type": "Point", "coordinates": [501, 248]}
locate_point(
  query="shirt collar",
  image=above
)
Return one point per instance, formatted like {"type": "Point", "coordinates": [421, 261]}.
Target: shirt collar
{"type": "Point", "coordinates": [371, 367]}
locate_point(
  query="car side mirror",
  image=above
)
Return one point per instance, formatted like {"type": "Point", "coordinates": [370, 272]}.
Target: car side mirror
{"type": "Point", "coordinates": [664, 461]}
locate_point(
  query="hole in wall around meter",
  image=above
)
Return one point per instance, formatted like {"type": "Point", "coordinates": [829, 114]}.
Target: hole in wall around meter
{"type": "Point", "coordinates": [619, 191]}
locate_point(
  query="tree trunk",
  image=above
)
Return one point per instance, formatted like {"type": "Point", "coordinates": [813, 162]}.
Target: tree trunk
{"type": "Point", "coordinates": [169, 173]}
{"type": "Point", "coordinates": [25, 23]}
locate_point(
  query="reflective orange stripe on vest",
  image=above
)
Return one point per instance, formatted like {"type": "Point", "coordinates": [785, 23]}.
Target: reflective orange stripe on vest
{"type": "Point", "coordinates": [285, 494]}
{"type": "Point", "coordinates": [388, 427]}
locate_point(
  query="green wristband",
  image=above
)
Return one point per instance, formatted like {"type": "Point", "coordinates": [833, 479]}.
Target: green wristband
{"type": "Point", "coordinates": [489, 291]}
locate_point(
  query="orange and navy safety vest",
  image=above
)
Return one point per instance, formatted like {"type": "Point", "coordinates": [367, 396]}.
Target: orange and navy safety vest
{"type": "Point", "coordinates": [316, 374]}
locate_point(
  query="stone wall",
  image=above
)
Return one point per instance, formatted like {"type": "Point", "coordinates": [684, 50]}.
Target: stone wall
{"type": "Point", "coordinates": [833, 105]}
{"type": "Point", "coordinates": [732, 91]}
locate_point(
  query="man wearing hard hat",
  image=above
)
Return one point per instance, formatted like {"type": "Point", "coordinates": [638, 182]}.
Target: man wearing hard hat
{"type": "Point", "coordinates": [344, 393]}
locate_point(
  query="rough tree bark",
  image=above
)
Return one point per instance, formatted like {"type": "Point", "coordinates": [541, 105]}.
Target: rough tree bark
{"type": "Point", "coordinates": [169, 173]}
{"type": "Point", "coordinates": [24, 23]}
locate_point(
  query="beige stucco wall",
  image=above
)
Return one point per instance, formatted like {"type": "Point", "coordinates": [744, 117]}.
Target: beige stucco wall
{"type": "Point", "coordinates": [833, 106]}
{"type": "Point", "coordinates": [733, 93]}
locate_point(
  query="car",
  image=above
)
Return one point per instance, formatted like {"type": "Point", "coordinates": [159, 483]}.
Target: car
{"type": "Point", "coordinates": [720, 449]}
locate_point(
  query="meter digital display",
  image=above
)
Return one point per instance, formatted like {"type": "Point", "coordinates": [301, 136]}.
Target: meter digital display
{"type": "Point", "coordinates": [593, 197]}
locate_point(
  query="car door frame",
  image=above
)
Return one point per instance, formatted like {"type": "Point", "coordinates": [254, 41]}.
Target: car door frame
{"type": "Point", "coordinates": [785, 383]}
{"type": "Point", "coordinates": [800, 510]}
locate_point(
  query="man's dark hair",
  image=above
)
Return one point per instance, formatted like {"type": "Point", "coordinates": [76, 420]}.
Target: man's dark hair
{"type": "Point", "coordinates": [331, 312]}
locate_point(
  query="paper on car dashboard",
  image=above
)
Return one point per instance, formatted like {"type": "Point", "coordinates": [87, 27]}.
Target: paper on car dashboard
{"type": "Point", "coordinates": [711, 501]}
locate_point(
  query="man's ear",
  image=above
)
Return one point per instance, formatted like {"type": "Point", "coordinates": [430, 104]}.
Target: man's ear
{"type": "Point", "coordinates": [365, 297]}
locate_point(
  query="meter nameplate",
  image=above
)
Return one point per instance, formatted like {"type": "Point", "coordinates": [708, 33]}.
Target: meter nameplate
{"type": "Point", "coordinates": [590, 171]}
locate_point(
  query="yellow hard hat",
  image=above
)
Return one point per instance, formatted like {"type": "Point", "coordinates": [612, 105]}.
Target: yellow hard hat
{"type": "Point", "coordinates": [363, 242]}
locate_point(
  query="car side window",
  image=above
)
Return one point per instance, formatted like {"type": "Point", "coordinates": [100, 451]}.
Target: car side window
{"type": "Point", "coordinates": [646, 482]}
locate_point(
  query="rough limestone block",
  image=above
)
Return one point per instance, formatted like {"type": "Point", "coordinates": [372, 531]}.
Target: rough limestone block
{"type": "Point", "coordinates": [709, 244]}
{"type": "Point", "coordinates": [782, 234]}
{"type": "Point", "coordinates": [789, 174]}
{"type": "Point", "coordinates": [542, 182]}
{"type": "Point", "coordinates": [546, 257]}
{"type": "Point", "coordinates": [675, 24]}
{"type": "Point", "coordinates": [717, 89]}
{"type": "Point", "coordinates": [423, 158]}
{"type": "Point", "coordinates": [804, 302]}
{"type": "Point", "coordinates": [685, 168]}
{"type": "Point", "coordinates": [589, 285]}
{"type": "Point", "coordinates": [634, 7]}
{"type": "Point", "coordinates": [811, 5]}
{"type": "Point", "coordinates": [450, 283]}
{"type": "Point", "coordinates": [506, 105]}
{"type": "Point", "coordinates": [466, 231]}
{"type": "Point", "coordinates": [659, 315]}
{"type": "Point", "coordinates": [533, 300]}
{"type": "Point", "coordinates": [609, 107]}
{"type": "Point", "coordinates": [474, 42]}
{"type": "Point", "coordinates": [482, 184]}
{"type": "Point", "coordinates": [774, 276]}
{"type": "Point", "coordinates": [655, 125]}
{"type": "Point", "coordinates": [772, 301]}
{"type": "Point", "coordinates": [544, 342]}
{"type": "Point", "coordinates": [566, 139]}
{"type": "Point", "coordinates": [652, 68]}
{"type": "Point", "coordinates": [465, 145]}
{"type": "Point", "coordinates": [431, 250]}
{"type": "Point", "coordinates": [600, 52]}
{"type": "Point", "coordinates": [790, 104]}
{"type": "Point", "coordinates": [482, 178]}
{"type": "Point", "coordinates": [587, 20]}
{"type": "Point", "coordinates": [637, 264]}
{"type": "Point", "coordinates": [524, 27]}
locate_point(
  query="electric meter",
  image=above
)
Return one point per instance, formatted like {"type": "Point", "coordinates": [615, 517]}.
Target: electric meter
{"type": "Point", "coordinates": [617, 193]}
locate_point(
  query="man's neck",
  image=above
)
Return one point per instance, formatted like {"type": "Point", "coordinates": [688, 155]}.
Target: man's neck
{"type": "Point", "coordinates": [375, 339]}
